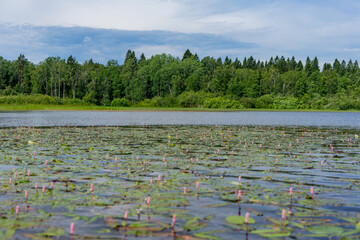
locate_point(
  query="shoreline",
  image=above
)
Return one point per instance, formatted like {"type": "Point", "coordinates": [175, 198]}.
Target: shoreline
{"type": "Point", "coordinates": [40, 107]}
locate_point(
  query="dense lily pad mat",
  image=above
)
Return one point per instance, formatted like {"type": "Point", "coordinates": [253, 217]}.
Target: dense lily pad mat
{"type": "Point", "coordinates": [95, 176]}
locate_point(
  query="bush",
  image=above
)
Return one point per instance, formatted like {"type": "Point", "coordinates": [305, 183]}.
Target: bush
{"type": "Point", "coordinates": [70, 101]}
{"type": "Point", "coordinates": [342, 102]}
{"type": "Point", "coordinates": [27, 99]}
{"type": "Point", "coordinates": [120, 102]}
{"type": "Point", "coordinates": [265, 101]}
{"type": "Point", "coordinates": [8, 91]}
{"type": "Point", "coordinates": [287, 103]}
{"type": "Point", "coordinates": [145, 103]}
{"type": "Point", "coordinates": [248, 102]}
{"type": "Point", "coordinates": [220, 102]}
{"type": "Point", "coordinates": [319, 103]}
{"type": "Point", "coordinates": [193, 99]}
{"type": "Point", "coordinates": [90, 97]}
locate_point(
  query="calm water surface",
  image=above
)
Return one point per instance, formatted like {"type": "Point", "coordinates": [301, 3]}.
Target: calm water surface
{"type": "Point", "coordinates": [102, 118]}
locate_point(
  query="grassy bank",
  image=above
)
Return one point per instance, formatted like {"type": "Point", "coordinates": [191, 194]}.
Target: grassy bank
{"type": "Point", "coordinates": [46, 107]}
{"type": "Point", "coordinates": [190, 102]}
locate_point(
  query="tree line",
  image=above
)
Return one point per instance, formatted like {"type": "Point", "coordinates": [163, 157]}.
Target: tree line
{"type": "Point", "coordinates": [164, 80]}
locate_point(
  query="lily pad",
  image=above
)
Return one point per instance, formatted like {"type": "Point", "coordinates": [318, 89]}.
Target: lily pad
{"type": "Point", "coordinates": [239, 220]}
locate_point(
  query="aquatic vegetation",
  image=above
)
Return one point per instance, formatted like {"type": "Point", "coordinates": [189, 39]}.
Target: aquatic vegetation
{"type": "Point", "coordinates": [195, 182]}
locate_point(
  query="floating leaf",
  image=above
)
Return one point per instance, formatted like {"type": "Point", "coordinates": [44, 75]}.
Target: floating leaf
{"type": "Point", "coordinates": [326, 230]}
{"type": "Point", "coordinates": [10, 232]}
{"type": "Point", "coordinates": [273, 232]}
{"type": "Point", "coordinates": [208, 235]}
{"type": "Point", "coordinates": [194, 224]}
{"type": "Point", "coordinates": [239, 220]}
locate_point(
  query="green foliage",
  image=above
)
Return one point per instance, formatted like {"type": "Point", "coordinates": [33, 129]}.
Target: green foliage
{"type": "Point", "coordinates": [27, 99]}
{"type": "Point", "coordinates": [288, 103]}
{"type": "Point", "coordinates": [192, 99]}
{"type": "Point", "coordinates": [168, 101]}
{"type": "Point", "coordinates": [265, 101]}
{"type": "Point", "coordinates": [120, 102]}
{"type": "Point", "coordinates": [167, 81]}
{"type": "Point", "coordinates": [220, 102]}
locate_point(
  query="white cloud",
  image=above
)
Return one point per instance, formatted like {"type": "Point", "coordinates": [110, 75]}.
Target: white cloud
{"type": "Point", "coordinates": [276, 26]}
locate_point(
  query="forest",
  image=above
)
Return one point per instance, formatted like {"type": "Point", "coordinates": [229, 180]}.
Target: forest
{"type": "Point", "coordinates": [167, 81]}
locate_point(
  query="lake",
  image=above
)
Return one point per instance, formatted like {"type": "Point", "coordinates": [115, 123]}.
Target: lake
{"type": "Point", "coordinates": [130, 118]}
{"type": "Point", "coordinates": [127, 174]}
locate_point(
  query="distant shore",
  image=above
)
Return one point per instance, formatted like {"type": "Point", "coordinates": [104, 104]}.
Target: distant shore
{"type": "Point", "coordinates": [45, 107]}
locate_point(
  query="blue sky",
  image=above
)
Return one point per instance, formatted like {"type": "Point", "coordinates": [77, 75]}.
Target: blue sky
{"type": "Point", "coordinates": [104, 30]}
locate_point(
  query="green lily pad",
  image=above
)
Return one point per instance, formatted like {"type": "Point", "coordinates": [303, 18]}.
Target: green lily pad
{"type": "Point", "coordinates": [273, 232]}
{"type": "Point", "coordinates": [327, 230]}
{"type": "Point", "coordinates": [239, 220]}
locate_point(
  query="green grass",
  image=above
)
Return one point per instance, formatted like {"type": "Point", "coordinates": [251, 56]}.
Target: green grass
{"type": "Point", "coordinates": [46, 107]}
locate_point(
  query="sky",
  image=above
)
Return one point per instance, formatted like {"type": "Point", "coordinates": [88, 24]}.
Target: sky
{"type": "Point", "coordinates": [106, 29]}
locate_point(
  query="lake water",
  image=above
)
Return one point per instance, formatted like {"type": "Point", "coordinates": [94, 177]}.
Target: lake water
{"type": "Point", "coordinates": [130, 118]}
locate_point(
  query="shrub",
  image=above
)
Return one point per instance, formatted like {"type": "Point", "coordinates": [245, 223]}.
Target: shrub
{"type": "Point", "coordinates": [70, 101]}
{"type": "Point", "coordinates": [145, 103]}
{"type": "Point", "coordinates": [287, 103]}
{"type": "Point", "coordinates": [319, 103]}
{"type": "Point", "coordinates": [120, 102]}
{"type": "Point", "coordinates": [247, 102]}
{"type": "Point", "coordinates": [27, 99]}
{"type": "Point", "coordinates": [193, 99]}
{"type": "Point", "coordinates": [220, 102]}
{"type": "Point", "coordinates": [265, 101]}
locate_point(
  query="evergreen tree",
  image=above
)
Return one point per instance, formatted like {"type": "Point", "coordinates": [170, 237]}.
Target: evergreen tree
{"type": "Point", "coordinates": [187, 54]}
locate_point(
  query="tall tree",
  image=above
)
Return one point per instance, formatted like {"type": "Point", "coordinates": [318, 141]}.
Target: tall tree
{"type": "Point", "coordinates": [73, 73]}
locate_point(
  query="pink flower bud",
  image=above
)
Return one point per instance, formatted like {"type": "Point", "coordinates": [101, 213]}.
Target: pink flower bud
{"type": "Point", "coordinates": [159, 177]}
{"type": "Point", "coordinates": [148, 200]}
{"type": "Point", "coordinates": [15, 175]}
{"type": "Point", "coordinates": [239, 194]}
{"type": "Point", "coordinates": [10, 181]}
{"type": "Point", "coordinates": [247, 218]}
{"type": "Point", "coordinates": [151, 181]}
{"type": "Point", "coordinates": [43, 189]}
{"type": "Point", "coordinates": [197, 186]}
{"type": "Point", "coordinates": [52, 185]}
{"type": "Point", "coordinates": [36, 186]}
{"type": "Point", "coordinates": [173, 221]}
{"type": "Point", "coordinates": [17, 209]}
{"type": "Point", "coordinates": [185, 191]}
{"type": "Point", "coordinates": [26, 194]}
{"type": "Point", "coordinates": [239, 179]}
{"type": "Point", "coordinates": [312, 192]}
{"type": "Point", "coordinates": [126, 215]}
{"type": "Point", "coordinates": [72, 228]}
{"type": "Point", "coordinates": [283, 215]}
{"type": "Point", "coordinates": [291, 191]}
